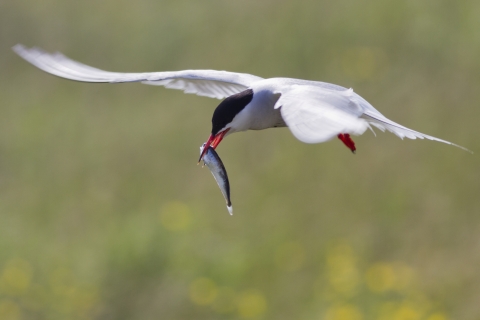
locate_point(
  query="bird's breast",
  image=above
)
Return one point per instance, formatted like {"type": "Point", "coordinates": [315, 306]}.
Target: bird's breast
{"type": "Point", "coordinates": [260, 113]}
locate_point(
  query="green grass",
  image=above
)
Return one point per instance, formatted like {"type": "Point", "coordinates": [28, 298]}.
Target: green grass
{"type": "Point", "coordinates": [105, 215]}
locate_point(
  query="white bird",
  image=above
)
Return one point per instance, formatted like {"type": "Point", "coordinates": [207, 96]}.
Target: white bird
{"type": "Point", "coordinates": [313, 111]}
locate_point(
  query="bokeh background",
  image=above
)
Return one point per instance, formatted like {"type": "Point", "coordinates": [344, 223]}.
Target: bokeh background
{"type": "Point", "coordinates": [104, 213]}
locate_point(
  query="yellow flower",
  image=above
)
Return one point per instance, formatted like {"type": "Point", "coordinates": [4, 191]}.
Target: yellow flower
{"type": "Point", "coordinates": [437, 316]}
{"type": "Point", "coordinates": [16, 276]}
{"type": "Point", "coordinates": [342, 272]}
{"type": "Point", "coordinates": [203, 291]}
{"type": "Point", "coordinates": [406, 312]}
{"type": "Point", "coordinates": [343, 312]}
{"type": "Point", "coordinates": [251, 304]}
{"type": "Point", "coordinates": [380, 277]}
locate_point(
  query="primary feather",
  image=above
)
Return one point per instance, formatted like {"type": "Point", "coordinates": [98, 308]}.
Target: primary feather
{"type": "Point", "coordinates": [209, 83]}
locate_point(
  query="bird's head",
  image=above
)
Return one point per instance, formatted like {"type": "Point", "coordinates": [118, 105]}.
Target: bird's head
{"type": "Point", "coordinates": [223, 120]}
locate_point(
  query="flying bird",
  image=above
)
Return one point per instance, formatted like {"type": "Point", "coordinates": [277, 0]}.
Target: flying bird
{"type": "Point", "coordinates": [314, 111]}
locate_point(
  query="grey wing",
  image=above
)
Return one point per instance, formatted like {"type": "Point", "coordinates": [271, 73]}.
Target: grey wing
{"type": "Point", "coordinates": [208, 83]}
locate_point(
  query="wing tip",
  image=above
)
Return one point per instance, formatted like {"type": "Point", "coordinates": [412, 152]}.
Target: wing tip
{"type": "Point", "coordinates": [18, 47]}
{"type": "Point", "coordinates": [463, 148]}
{"type": "Point", "coordinates": [25, 52]}
{"type": "Point", "coordinates": [21, 50]}
{"type": "Point", "coordinates": [424, 136]}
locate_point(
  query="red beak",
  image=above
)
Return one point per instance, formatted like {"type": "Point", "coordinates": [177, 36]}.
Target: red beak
{"type": "Point", "coordinates": [213, 141]}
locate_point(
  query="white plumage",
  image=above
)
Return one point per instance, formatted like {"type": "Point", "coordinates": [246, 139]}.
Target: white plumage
{"type": "Point", "coordinates": [314, 111]}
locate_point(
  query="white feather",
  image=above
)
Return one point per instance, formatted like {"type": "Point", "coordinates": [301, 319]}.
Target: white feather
{"type": "Point", "coordinates": [316, 115]}
{"type": "Point", "coordinates": [209, 83]}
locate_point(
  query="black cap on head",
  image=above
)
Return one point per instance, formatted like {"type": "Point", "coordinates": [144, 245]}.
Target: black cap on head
{"type": "Point", "coordinates": [229, 108]}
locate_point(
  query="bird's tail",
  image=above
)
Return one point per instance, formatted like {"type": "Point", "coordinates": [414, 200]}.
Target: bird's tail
{"type": "Point", "coordinates": [382, 123]}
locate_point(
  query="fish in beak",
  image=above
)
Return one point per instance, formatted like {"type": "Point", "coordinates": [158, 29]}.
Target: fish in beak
{"type": "Point", "coordinates": [213, 141]}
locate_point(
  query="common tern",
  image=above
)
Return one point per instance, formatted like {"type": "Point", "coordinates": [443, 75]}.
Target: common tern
{"type": "Point", "coordinates": [313, 111]}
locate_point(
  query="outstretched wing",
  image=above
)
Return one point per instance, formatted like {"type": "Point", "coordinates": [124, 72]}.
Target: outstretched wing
{"type": "Point", "coordinates": [316, 115]}
{"type": "Point", "coordinates": [316, 111]}
{"type": "Point", "coordinates": [208, 83]}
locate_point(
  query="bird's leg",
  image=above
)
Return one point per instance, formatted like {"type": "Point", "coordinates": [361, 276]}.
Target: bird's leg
{"type": "Point", "coordinates": [345, 137]}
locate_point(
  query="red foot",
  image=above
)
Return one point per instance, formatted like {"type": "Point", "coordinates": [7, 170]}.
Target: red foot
{"type": "Point", "coordinates": [345, 137]}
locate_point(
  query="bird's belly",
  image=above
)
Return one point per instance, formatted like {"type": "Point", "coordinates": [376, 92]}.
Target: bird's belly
{"type": "Point", "coordinates": [265, 119]}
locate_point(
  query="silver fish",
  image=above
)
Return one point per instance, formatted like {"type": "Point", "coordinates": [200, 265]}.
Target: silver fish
{"type": "Point", "coordinates": [215, 164]}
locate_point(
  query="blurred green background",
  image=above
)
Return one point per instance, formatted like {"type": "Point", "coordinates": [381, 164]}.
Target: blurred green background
{"type": "Point", "coordinates": [105, 215]}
